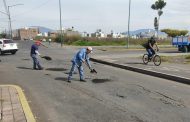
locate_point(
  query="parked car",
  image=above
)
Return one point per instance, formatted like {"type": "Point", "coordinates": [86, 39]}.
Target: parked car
{"type": "Point", "coordinates": [8, 46]}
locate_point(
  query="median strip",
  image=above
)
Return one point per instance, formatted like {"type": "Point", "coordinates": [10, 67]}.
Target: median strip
{"type": "Point", "coordinates": [147, 72]}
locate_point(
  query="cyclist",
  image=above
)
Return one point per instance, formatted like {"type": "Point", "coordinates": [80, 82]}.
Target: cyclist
{"type": "Point", "coordinates": [149, 47]}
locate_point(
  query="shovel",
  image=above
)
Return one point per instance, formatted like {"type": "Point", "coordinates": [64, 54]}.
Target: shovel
{"type": "Point", "coordinates": [46, 57]}
{"type": "Point", "coordinates": [91, 70]}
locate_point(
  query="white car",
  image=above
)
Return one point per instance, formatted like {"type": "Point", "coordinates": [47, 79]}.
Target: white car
{"type": "Point", "coordinates": [8, 46]}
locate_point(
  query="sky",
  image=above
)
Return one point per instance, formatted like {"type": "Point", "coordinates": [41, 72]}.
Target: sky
{"type": "Point", "coordinates": [90, 15]}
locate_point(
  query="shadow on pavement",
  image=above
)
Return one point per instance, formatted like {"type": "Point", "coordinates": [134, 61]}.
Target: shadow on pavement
{"type": "Point", "coordinates": [24, 68]}
{"type": "Point", "coordinates": [73, 73]}
{"type": "Point", "coordinates": [56, 69]}
{"type": "Point", "coordinates": [61, 78]}
{"type": "Point", "coordinates": [65, 79]}
{"type": "Point", "coordinates": [7, 54]}
{"type": "Point", "coordinates": [101, 80]}
{"type": "Point", "coordinates": [134, 63]}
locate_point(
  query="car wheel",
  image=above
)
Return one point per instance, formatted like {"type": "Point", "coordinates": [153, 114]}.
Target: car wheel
{"type": "Point", "coordinates": [13, 52]}
{"type": "Point", "coordinates": [1, 53]}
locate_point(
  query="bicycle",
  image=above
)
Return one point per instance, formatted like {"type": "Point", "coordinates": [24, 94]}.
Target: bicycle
{"type": "Point", "coordinates": [156, 59]}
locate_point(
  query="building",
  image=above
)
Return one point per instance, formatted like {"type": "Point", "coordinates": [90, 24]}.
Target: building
{"type": "Point", "coordinates": [25, 33]}
{"type": "Point", "coordinates": [85, 34]}
{"type": "Point", "coordinates": [99, 34]}
{"type": "Point", "coordinates": [52, 34]}
{"type": "Point", "coordinates": [69, 32]}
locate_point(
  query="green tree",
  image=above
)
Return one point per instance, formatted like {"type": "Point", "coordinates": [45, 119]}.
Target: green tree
{"type": "Point", "coordinates": [59, 38]}
{"type": "Point", "coordinates": [158, 6]}
{"type": "Point", "coordinates": [3, 35]}
{"type": "Point", "coordinates": [174, 32]}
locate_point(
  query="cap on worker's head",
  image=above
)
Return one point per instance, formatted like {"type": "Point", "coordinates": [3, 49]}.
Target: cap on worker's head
{"type": "Point", "coordinates": [38, 42]}
{"type": "Point", "coordinates": [89, 48]}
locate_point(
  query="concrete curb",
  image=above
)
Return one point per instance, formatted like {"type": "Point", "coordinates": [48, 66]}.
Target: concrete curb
{"type": "Point", "coordinates": [147, 72]}
{"type": "Point", "coordinates": [27, 111]}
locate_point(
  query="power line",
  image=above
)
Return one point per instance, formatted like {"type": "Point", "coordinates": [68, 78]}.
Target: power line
{"type": "Point", "coordinates": [33, 9]}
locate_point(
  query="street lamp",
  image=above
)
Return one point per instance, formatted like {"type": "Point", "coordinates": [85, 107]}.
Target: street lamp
{"type": "Point", "coordinates": [9, 16]}
{"type": "Point", "coordinates": [129, 23]}
{"type": "Point", "coordinates": [60, 23]}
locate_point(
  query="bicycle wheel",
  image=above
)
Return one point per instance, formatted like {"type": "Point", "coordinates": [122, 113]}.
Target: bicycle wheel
{"type": "Point", "coordinates": [157, 60]}
{"type": "Point", "coordinates": [145, 58]}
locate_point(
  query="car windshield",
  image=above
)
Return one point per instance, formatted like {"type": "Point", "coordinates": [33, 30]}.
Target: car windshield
{"type": "Point", "coordinates": [8, 41]}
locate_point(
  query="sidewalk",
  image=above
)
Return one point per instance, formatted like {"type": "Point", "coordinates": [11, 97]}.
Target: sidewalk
{"type": "Point", "coordinates": [14, 107]}
{"type": "Point", "coordinates": [133, 62]}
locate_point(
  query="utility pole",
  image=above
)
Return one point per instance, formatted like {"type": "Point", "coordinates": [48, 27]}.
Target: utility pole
{"type": "Point", "coordinates": [10, 26]}
{"type": "Point", "coordinates": [129, 24]}
{"type": "Point", "coordinates": [9, 16]}
{"type": "Point", "coordinates": [5, 5]}
{"type": "Point", "coordinates": [61, 35]}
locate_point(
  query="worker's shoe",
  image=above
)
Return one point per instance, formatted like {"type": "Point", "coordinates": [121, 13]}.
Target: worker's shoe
{"type": "Point", "coordinates": [82, 80]}
{"type": "Point", "coordinates": [69, 81]}
{"type": "Point", "coordinates": [41, 68]}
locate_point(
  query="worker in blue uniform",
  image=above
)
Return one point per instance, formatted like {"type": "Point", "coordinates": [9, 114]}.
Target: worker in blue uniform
{"type": "Point", "coordinates": [34, 53]}
{"type": "Point", "coordinates": [77, 61]}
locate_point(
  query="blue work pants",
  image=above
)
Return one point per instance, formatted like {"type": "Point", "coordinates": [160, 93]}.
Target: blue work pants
{"type": "Point", "coordinates": [36, 62]}
{"type": "Point", "coordinates": [80, 69]}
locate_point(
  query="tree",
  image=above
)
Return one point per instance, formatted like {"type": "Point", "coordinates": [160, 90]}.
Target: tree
{"type": "Point", "coordinates": [3, 35]}
{"type": "Point", "coordinates": [158, 5]}
{"type": "Point", "coordinates": [174, 33]}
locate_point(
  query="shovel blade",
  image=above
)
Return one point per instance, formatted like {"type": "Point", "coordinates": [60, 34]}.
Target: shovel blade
{"type": "Point", "coordinates": [47, 58]}
{"type": "Point", "coordinates": [93, 71]}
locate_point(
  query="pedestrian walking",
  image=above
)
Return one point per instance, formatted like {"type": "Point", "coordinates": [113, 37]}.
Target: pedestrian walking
{"type": "Point", "coordinates": [34, 53]}
{"type": "Point", "coordinates": [80, 57]}
{"type": "Point", "coordinates": [49, 40]}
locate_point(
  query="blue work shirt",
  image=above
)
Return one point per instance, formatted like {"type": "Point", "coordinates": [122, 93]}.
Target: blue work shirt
{"type": "Point", "coordinates": [81, 55]}
{"type": "Point", "coordinates": [34, 48]}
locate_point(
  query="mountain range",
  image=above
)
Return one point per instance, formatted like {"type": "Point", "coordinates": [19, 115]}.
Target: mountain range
{"type": "Point", "coordinates": [43, 29]}
{"type": "Point", "coordinates": [143, 31]}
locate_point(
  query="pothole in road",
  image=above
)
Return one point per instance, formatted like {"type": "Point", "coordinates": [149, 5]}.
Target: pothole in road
{"type": "Point", "coordinates": [103, 49]}
{"type": "Point", "coordinates": [121, 96]}
{"type": "Point", "coordinates": [56, 69]}
{"type": "Point", "coordinates": [48, 74]}
{"type": "Point", "coordinates": [101, 80]}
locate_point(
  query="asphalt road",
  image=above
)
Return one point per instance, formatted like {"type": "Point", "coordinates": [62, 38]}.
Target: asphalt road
{"type": "Point", "coordinates": [113, 95]}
